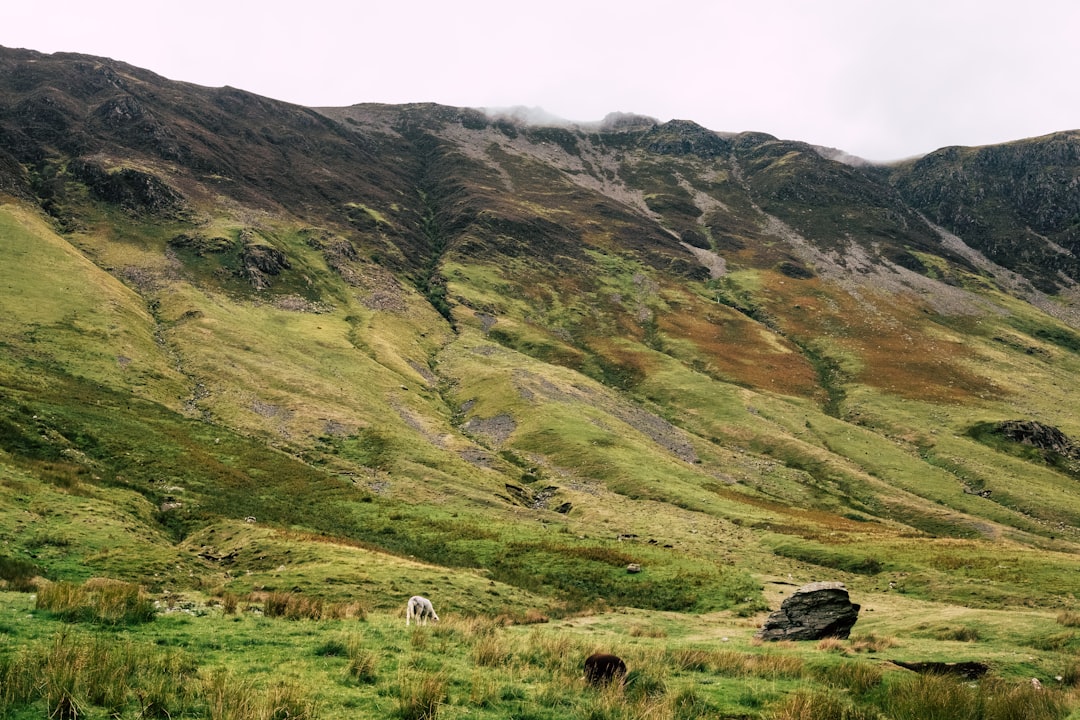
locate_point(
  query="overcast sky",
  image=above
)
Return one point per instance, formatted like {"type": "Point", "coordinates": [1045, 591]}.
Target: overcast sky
{"type": "Point", "coordinates": [882, 79]}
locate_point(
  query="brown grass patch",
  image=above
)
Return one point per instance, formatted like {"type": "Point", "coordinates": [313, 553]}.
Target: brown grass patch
{"type": "Point", "coordinates": [734, 347]}
{"type": "Point", "coordinates": [871, 643]}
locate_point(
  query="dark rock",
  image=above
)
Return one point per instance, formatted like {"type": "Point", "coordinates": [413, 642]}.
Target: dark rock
{"type": "Point", "coordinates": [1035, 434]}
{"type": "Point", "coordinates": [260, 261]}
{"type": "Point", "coordinates": [814, 611]}
{"type": "Point", "coordinates": [133, 190]}
{"type": "Point", "coordinates": [795, 270]}
{"type": "Point", "coordinates": [200, 244]}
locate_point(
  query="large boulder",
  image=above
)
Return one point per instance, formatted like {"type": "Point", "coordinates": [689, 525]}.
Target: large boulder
{"type": "Point", "coordinates": [814, 611]}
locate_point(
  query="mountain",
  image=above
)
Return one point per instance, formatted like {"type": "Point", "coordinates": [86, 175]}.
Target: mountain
{"type": "Point", "coordinates": [250, 346]}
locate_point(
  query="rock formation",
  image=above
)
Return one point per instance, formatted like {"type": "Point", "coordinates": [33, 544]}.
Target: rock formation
{"type": "Point", "coordinates": [814, 611]}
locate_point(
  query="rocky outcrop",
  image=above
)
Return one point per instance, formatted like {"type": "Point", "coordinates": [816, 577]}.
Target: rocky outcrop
{"type": "Point", "coordinates": [260, 261]}
{"type": "Point", "coordinates": [1043, 437]}
{"type": "Point", "coordinates": [814, 611]}
{"type": "Point", "coordinates": [134, 191]}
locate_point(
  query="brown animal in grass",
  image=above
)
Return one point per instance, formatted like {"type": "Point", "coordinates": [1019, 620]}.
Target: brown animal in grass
{"type": "Point", "coordinates": [603, 669]}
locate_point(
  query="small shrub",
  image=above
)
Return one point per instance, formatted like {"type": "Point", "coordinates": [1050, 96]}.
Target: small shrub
{"type": "Point", "coordinates": [17, 679]}
{"type": "Point", "coordinates": [940, 697]}
{"type": "Point", "coordinates": [418, 639]}
{"type": "Point", "coordinates": [75, 675]}
{"type": "Point", "coordinates": [771, 666]}
{"type": "Point", "coordinates": [474, 627]}
{"type": "Point", "coordinates": [1069, 618]}
{"type": "Point", "coordinates": [276, 604]}
{"type": "Point", "coordinates": [227, 697]}
{"type": "Point", "coordinates": [155, 693]}
{"type": "Point", "coordinates": [1009, 701]}
{"type": "Point", "coordinates": [298, 607]}
{"type": "Point", "coordinates": [554, 653]}
{"type": "Point", "coordinates": [483, 690]}
{"type": "Point", "coordinates": [229, 603]}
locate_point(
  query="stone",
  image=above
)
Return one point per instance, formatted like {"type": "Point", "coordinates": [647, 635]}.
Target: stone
{"type": "Point", "coordinates": [815, 611]}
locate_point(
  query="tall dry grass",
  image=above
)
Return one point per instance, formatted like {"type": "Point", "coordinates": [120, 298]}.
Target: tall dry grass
{"type": "Point", "coordinates": [98, 600]}
{"type": "Point", "coordinates": [420, 696]}
{"type": "Point", "coordinates": [939, 697]}
{"type": "Point", "coordinates": [74, 672]}
{"type": "Point", "coordinates": [227, 696]}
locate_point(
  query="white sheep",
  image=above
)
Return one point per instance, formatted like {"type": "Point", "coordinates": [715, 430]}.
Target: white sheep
{"type": "Point", "coordinates": [420, 609]}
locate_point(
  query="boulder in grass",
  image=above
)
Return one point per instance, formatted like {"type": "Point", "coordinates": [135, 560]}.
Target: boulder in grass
{"type": "Point", "coordinates": [815, 611]}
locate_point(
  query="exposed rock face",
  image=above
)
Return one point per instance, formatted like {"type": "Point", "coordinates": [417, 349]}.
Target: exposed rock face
{"type": "Point", "coordinates": [133, 190]}
{"type": "Point", "coordinates": [262, 261]}
{"type": "Point", "coordinates": [814, 611]}
{"type": "Point", "coordinates": [1044, 437]}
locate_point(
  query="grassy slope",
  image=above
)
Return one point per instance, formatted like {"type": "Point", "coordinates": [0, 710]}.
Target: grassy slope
{"type": "Point", "coordinates": [686, 422]}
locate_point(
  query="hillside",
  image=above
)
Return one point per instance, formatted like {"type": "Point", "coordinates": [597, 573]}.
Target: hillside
{"type": "Point", "coordinates": [425, 350]}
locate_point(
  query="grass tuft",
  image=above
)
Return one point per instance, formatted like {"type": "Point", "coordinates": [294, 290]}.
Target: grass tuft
{"type": "Point", "coordinates": [421, 695]}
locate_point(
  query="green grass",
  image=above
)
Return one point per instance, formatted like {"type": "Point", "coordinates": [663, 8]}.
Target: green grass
{"type": "Point", "coordinates": [210, 664]}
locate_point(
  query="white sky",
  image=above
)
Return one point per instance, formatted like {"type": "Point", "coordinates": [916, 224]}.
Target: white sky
{"type": "Point", "coordinates": [882, 79]}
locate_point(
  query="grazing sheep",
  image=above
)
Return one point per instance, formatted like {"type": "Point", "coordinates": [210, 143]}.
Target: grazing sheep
{"type": "Point", "coordinates": [419, 609]}
{"type": "Point", "coordinates": [602, 669]}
